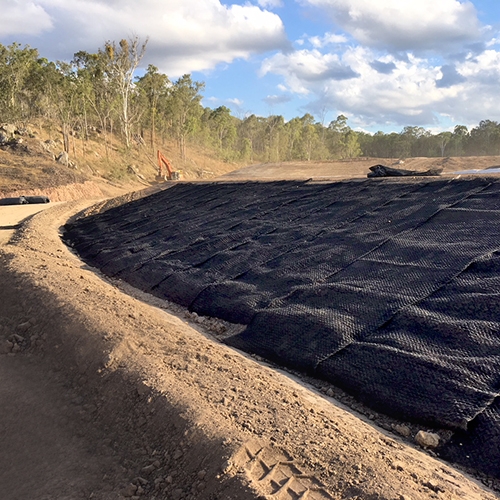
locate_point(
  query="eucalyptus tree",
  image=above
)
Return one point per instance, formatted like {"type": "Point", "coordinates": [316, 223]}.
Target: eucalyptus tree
{"type": "Point", "coordinates": [121, 62]}
{"type": "Point", "coordinates": [350, 147]}
{"type": "Point", "coordinates": [485, 138]}
{"type": "Point", "coordinates": [309, 137]}
{"type": "Point", "coordinates": [64, 92]}
{"type": "Point", "coordinates": [443, 139]}
{"type": "Point", "coordinates": [38, 89]}
{"type": "Point", "coordinates": [251, 135]}
{"type": "Point", "coordinates": [98, 91]}
{"type": "Point", "coordinates": [224, 128]}
{"type": "Point", "coordinates": [274, 128]}
{"type": "Point", "coordinates": [185, 109]}
{"type": "Point", "coordinates": [336, 131]}
{"type": "Point", "coordinates": [155, 88]}
{"type": "Point", "coordinates": [293, 130]}
{"type": "Point", "coordinates": [459, 140]}
{"type": "Point", "coordinates": [16, 64]}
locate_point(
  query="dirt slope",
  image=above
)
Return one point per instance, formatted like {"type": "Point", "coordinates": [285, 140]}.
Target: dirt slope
{"type": "Point", "coordinates": [104, 397]}
{"type": "Point", "coordinates": [355, 168]}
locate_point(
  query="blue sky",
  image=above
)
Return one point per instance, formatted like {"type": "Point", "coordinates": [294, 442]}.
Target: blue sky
{"type": "Point", "coordinates": [384, 64]}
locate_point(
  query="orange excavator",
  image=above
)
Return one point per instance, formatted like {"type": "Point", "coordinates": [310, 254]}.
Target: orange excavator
{"type": "Point", "coordinates": [165, 170]}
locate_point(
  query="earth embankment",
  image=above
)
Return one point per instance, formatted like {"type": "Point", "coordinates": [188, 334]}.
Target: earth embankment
{"type": "Point", "coordinates": [152, 408]}
{"type": "Point", "coordinates": [386, 288]}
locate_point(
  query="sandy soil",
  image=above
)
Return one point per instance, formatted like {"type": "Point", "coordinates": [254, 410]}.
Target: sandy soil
{"type": "Point", "coordinates": [105, 396]}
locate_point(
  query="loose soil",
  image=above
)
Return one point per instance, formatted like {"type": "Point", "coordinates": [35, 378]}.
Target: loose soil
{"type": "Point", "coordinates": [356, 168]}
{"type": "Point", "coordinates": [108, 393]}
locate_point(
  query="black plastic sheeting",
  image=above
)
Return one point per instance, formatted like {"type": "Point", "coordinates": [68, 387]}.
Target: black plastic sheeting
{"type": "Point", "coordinates": [388, 288]}
{"type": "Point", "coordinates": [24, 200]}
{"type": "Point", "coordinates": [384, 171]}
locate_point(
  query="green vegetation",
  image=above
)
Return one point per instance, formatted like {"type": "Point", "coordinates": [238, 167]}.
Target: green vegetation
{"type": "Point", "coordinates": [99, 92]}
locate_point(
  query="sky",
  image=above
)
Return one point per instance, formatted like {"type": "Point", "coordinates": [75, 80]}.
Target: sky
{"type": "Point", "coordinates": [384, 64]}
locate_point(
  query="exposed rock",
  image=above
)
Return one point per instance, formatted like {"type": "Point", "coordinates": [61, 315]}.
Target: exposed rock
{"type": "Point", "coordinates": [63, 158]}
{"type": "Point", "coordinates": [402, 430]}
{"type": "Point", "coordinates": [129, 491]}
{"type": "Point", "coordinates": [26, 132]}
{"type": "Point", "coordinates": [177, 494]}
{"type": "Point", "coordinates": [16, 338]}
{"type": "Point", "coordinates": [427, 439]}
{"type": "Point", "coordinates": [149, 468]}
{"type": "Point", "coordinates": [8, 129]}
{"type": "Point", "coordinates": [5, 347]}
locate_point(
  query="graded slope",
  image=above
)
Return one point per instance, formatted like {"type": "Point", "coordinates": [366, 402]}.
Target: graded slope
{"type": "Point", "coordinates": [388, 289]}
{"type": "Point", "coordinates": [139, 404]}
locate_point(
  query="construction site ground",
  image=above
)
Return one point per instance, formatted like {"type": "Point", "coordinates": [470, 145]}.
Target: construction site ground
{"type": "Point", "coordinates": [107, 393]}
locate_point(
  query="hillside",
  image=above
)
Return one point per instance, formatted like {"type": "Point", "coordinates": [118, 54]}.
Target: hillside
{"type": "Point", "coordinates": [102, 167]}
{"type": "Point", "coordinates": [29, 165]}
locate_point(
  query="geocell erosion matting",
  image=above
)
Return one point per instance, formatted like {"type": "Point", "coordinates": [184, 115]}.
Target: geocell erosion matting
{"type": "Point", "coordinates": [387, 288]}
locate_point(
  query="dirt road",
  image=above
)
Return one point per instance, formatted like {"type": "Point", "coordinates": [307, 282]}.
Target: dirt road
{"type": "Point", "coordinates": [104, 396]}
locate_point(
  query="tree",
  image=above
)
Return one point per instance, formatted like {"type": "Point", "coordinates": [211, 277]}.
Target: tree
{"type": "Point", "coordinates": [154, 86]}
{"type": "Point", "coordinates": [293, 129]}
{"type": "Point", "coordinates": [15, 66]}
{"type": "Point", "coordinates": [98, 91]}
{"type": "Point", "coordinates": [443, 139]}
{"type": "Point", "coordinates": [275, 124]}
{"type": "Point", "coordinates": [66, 94]}
{"type": "Point", "coordinates": [251, 134]}
{"type": "Point", "coordinates": [459, 140]}
{"type": "Point", "coordinates": [185, 108]}
{"type": "Point", "coordinates": [350, 145]}
{"type": "Point", "coordinates": [409, 140]}
{"type": "Point", "coordinates": [485, 138]}
{"type": "Point", "coordinates": [337, 129]}
{"type": "Point", "coordinates": [309, 137]}
{"type": "Point", "coordinates": [223, 125]}
{"type": "Point", "coordinates": [121, 63]}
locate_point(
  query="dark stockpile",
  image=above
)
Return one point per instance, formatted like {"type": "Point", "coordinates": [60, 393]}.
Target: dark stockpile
{"type": "Point", "coordinates": [387, 288]}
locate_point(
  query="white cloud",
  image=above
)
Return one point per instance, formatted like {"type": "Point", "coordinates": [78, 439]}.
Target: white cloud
{"type": "Point", "coordinates": [404, 25]}
{"type": "Point", "coordinates": [184, 35]}
{"type": "Point", "coordinates": [410, 93]}
{"type": "Point", "coordinates": [18, 17]}
{"type": "Point", "coordinates": [235, 101]}
{"type": "Point", "coordinates": [273, 100]}
{"type": "Point", "coordinates": [304, 70]}
{"type": "Point", "coordinates": [327, 39]}
{"type": "Point", "coordinates": [270, 4]}
{"type": "Point", "coordinates": [492, 42]}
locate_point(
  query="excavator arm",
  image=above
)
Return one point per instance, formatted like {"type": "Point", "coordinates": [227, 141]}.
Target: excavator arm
{"type": "Point", "coordinates": [165, 169]}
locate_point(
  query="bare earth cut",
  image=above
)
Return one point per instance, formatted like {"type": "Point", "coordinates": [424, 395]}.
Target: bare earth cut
{"type": "Point", "coordinates": [107, 393]}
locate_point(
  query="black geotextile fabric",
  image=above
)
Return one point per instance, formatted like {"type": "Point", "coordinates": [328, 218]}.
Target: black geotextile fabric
{"type": "Point", "coordinates": [387, 288]}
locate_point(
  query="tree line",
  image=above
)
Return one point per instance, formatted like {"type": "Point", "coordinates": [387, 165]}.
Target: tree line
{"type": "Point", "coordinates": [101, 92]}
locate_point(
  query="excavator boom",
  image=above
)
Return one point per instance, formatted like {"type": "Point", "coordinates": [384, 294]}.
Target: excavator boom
{"type": "Point", "coordinates": [164, 164]}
